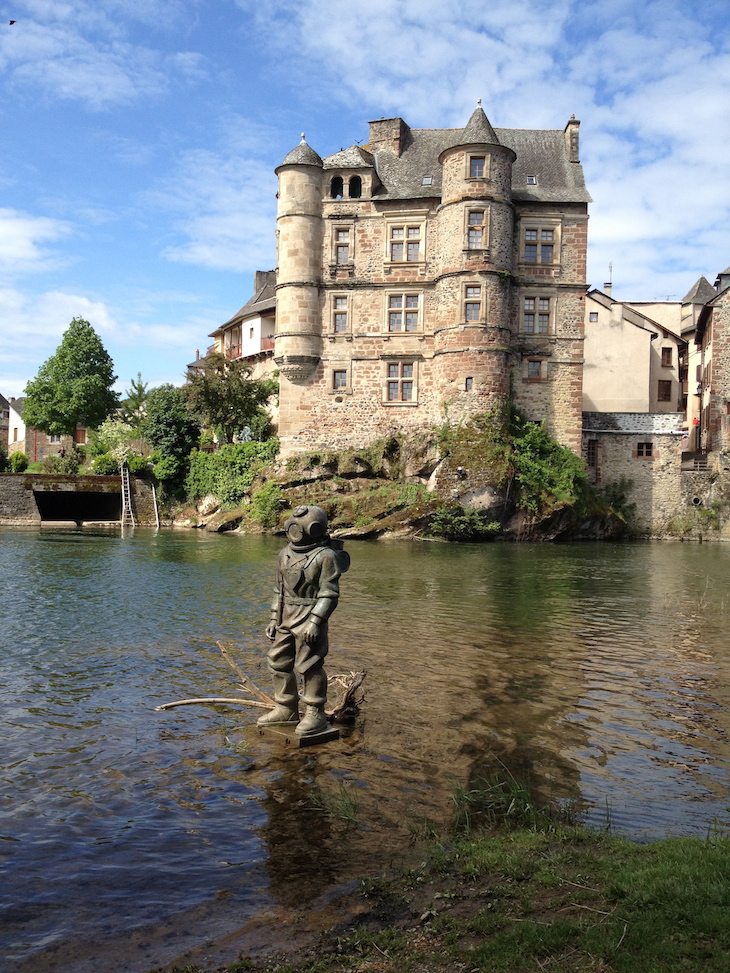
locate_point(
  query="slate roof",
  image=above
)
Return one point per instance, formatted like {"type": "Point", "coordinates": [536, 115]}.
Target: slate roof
{"type": "Point", "coordinates": [263, 300]}
{"type": "Point", "coordinates": [700, 293]}
{"type": "Point", "coordinates": [302, 155]}
{"type": "Point", "coordinates": [353, 158]}
{"type": "Point", "coordinates": [540, 153]}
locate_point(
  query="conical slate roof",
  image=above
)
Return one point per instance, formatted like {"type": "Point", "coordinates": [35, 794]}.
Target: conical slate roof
{"type": "Point", "coordinates": [302, 155]}
{"type": "Point", "coordinates": [478, 129]}
{"type": "Point", "coordinates": [701, 293]}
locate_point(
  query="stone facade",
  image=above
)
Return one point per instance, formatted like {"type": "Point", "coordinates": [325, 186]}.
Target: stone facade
{"type": "Point", "coordinates": [430, 272]}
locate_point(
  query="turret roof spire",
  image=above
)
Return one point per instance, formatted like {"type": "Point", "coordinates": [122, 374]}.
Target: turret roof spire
{"type": "Point", "coordinates": [478, 128]}
{"type": "Point", "coordinates": [302, 155]}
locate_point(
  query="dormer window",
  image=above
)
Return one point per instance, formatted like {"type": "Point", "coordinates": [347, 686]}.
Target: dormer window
{"type": "Point", "coordinates": [427, 181]}
{"type": "Point", "coordinates": [531, 180]}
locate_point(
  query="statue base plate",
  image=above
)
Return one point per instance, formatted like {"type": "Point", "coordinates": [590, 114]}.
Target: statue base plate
{"type": "Point", "coordinates": [287, 735]}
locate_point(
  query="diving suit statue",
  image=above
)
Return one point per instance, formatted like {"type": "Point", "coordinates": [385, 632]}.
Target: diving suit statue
{"type": "Point", "coordinates": [307, 588]}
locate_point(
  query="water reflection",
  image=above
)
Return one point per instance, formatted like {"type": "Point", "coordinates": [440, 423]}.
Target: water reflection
{"type": "Point", "coordinates": [600, 671]}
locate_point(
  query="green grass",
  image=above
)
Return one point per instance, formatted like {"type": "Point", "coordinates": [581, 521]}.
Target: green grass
{"type": "Point", "coordinates": [514, 888]}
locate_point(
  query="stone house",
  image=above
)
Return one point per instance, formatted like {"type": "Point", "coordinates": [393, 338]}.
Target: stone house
{"type": "Point", "coordinates": [429, 273]}
{"type": "Point", "coordinates": [35, 444]}
{"type": "Point", "coordinates": [712, 373]}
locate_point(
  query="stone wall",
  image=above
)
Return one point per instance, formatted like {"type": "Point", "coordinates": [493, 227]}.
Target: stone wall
{"type": "Point", "coordinates": [19, 505]}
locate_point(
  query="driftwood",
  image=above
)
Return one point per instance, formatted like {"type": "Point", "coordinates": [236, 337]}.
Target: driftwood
{"type": "Point", "coordinates": [347, 686]}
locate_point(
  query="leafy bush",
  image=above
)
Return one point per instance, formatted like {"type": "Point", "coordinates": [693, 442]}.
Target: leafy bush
{"type": "Point", "coordinates": [265, 506]}
{"type": "Point", "coordinates": [457, 524]}
{"type": "Point", "coordinates": [68, 464]}
{"type": "Point", "coordinates": [138, 465]}
{"type": "Point", "coordinates": [549, 475]}
{"type": "Point", "coordinates": [105, 465]}
{"type": "Point", "coordinates": [229, 472]}
{"type": "Point", "coordinates": [18, 463]}
{"type": "Point", "coordinates": [3, 458]}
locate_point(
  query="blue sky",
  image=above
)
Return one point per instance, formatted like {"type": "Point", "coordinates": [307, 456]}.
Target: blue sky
{"type": "Point", "coordinates": [138, 141]}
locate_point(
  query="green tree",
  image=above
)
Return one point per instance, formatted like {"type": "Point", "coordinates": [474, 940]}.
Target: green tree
{"type": "Point", "coordinates": [74, 386]}
{"type": "Point", "coordinates": [133, 404]}
{"type": "Point", "coordinates": [226, 398]}
{"type": "Point", "coordinates": [169, 425]}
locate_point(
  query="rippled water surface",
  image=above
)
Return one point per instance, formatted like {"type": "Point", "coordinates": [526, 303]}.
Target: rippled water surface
{"type": "Point", "coordinates": [128, 835]}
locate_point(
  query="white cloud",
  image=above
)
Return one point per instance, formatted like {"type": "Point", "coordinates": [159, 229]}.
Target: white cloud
{"type": "Point", "coordinates": [82, 51]}
{"type": "Point", "coordinates": [225, 202]}
{"type": "Point", "coordinates": [22, 239]}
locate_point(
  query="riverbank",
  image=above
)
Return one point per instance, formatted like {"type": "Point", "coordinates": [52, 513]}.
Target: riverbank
{"type": "Point", "coordinates": [536, 895]}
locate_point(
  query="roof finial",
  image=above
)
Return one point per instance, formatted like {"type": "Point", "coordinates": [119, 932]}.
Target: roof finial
{"type": "Point", "coordinates": [303, 139]}
{"type": "Point", "coordinates": [479, 102]}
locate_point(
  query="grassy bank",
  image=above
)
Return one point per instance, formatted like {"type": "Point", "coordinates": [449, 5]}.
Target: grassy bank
{"type": "Point", "coordinates": [516, 889]}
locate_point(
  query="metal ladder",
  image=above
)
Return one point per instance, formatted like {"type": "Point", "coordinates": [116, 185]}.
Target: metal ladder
{"type": "Point", "coordinates": [127, 512]}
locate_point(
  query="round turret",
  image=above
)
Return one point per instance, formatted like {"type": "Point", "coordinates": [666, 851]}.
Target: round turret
{"type": "Point", "coordinates": [299, 247]}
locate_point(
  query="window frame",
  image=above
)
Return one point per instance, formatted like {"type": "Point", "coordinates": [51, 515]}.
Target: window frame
{"type": "Point", "coordinates": [667, 356]}
{"type": "Point", "coordinates": [537, 312]}
{"type": "Point", "coordinates": [540, 228]}
{"type": "Point", "coordinates": [541, 376]}
{"type": "Point", "coordinates": [402, 379]}
{"type": "Point", "coordinates": [337, 244]}
{"type": "Point", "coordinates": [339, 368]}
{"type": "Point", "coordinates": [471, 160]}
{"type": "Point", "coordinates": [664, 390]}
{"type": "Point", "coordinates": [413, 235]}
{"type": "Point", "coordinates": [470, 227]}
{"type": "Point", "coordinates": [470, 300]}
{"type": "Point", "coordinates": [404, 311]}
{"type": "Point", "coordinates": [645, 449]}
{"type": "Point", "coordinates": [340, 310]}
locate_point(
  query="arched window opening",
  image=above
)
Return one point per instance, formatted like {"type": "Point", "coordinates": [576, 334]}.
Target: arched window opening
{"type": "Point", "coordinates": [355, 187]}
{"type": "Point", "coordinates": [336, 188]}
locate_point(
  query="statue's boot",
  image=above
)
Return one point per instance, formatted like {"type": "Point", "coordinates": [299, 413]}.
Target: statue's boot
{"type": "Point", "coordinates": [286, 698]}
{"type": "Point", "coordinates": [313, 721]}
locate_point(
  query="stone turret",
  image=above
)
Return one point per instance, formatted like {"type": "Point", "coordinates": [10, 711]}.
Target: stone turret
{"type": "Point", "coordinates": [298, 346]}
{"type": "Point", "coordinates": [474, 292]}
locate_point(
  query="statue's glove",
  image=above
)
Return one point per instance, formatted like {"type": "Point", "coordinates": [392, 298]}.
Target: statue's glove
{"type": "Point", "coordinates": [311, 632]}
{"type": "Point", "coordinates": [271, 630]}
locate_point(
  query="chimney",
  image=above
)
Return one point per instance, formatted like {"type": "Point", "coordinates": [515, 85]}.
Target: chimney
{"type": "Point", "coordinates": [388, 133]}
{"type": "Point", "coordinates": [572, 140]}
{"type": "Point", "coordinates": [607, 288]}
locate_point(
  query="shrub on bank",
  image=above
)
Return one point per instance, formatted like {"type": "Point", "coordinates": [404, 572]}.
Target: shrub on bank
{"type": "Point", "coordinates": [18, 463]}
{"type": "Point", "coordinates": [229, 472]}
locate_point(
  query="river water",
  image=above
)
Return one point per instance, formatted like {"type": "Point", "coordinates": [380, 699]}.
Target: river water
{"type": "Point", "coordinates": [128, 836]}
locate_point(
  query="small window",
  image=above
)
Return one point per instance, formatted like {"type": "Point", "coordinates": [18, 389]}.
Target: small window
{"type": "Point", "coordinates": [400, 382]}
{"type": "Point", "coordinates": [473, 303]}
{"type": "Point", "coordinates": [531, 180]}
{"type": "Point", "coordinates": [592, 452]}
{"type": "Point", "coordinates": [644, 449]}
{"type": "Point", "coordinates": [250, 332]}
{"type": "Point", "coordinates": [427, 181]}
{"type": "Point", "coordinates": [475, 234]}
{"type": "Point", "coordinates": [355, 187]}
{"type": "Point", "coordinates": [339, 378]}
{"type": "Point", "coordinates": [336, 188]}
{"type": "Point", "coordinates": [476, 166]}
{"type": "Point", "coordinates": [667, 357]}
{"type": "Point", "coordinates": [54, 439]}
{"type": "Point", "coordinates": [342, 246]}
{"type": "Point", "coordinates": [80, 437]}
{"type": "Point", "coordinates": [339, 320]}
{"type": "Point", "coordinates": [534, 369]}
{"type": "Point", "coordinates": [468, 384]}
{"type": "Point", "coordinates": [593, 316]}
{"type": "Point", "coordinates": [664, 390]}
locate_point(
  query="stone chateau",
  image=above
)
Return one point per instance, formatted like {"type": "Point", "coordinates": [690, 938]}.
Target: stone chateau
{"type": "Point", "coordinates": [425, 273]}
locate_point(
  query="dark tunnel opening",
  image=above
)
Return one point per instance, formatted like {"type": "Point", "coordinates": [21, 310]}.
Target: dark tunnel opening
{"type": "Point", "coordinates": [78, 506]}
